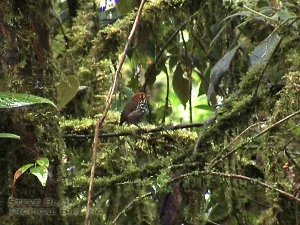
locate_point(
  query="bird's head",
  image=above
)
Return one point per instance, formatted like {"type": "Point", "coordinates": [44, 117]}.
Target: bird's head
{"type": "Point", "coordinates": [140, 96]}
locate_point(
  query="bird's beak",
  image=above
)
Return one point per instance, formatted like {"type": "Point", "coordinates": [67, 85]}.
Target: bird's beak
{"type": "Point", "coordinates": [148, 96]}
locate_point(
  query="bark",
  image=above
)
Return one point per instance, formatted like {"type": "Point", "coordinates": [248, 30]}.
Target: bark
{"type": "Point", "coordinates": [26, 67]}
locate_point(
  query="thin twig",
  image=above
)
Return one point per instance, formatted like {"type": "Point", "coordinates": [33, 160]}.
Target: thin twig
{"type": "Point", "coordinates": [100, 122]}
{"type": "Point", "coordinates": [267, 64]}
{"type": "Point", "coordinates": [130, 204]}
{"type": "Point", "coordinates": [212, 165]}
{"type": "Point", "coordinates": [61, 27]}
{"type": "Point", "coordinates": [234, 140]}
{"type": "Point", "coordinates": [262, 15]}
{"type": "Point", "coordinates": [288, 155]}
{"type": "Point", "coordinates": [134, 133]}
{"type": "Point", "coordinates": [190, 71]}
{"type": "Point", "coordinates": [167, 98]}
{"type": "Point", "coordinates": [189, 74]}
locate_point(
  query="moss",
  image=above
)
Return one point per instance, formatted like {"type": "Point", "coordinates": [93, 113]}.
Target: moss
{"type": "Point", "coordinates": [289, 96]}
{"type": "Point", "coordinates": [268, 217]}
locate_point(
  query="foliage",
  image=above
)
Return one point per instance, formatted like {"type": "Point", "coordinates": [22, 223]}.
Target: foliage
{"type": "Point", "coordinates": [11, 100]}
{"type": "Point", "coordinates": [39, 169]}
{"type": "Point", "coordinates": [8, 135]}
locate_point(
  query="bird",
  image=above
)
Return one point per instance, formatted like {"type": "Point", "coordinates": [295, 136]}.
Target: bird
{"type": "Point", "coordinates": [136, 109]}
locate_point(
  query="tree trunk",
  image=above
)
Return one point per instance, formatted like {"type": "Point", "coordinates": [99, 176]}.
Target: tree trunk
{"type": "Point", "coordinates": [26, 67]}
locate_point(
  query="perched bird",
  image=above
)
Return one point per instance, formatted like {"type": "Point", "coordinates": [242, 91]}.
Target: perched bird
{"type": "Point", "coordinates": [136, 109]}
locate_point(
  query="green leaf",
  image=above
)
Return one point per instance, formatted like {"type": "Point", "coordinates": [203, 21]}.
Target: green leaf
{"type": "Point", "coordinates": [181, 85]}
{"type": "Point", "coordinates": [66, 90]}
{"type": "Point", "coordinates": [204, 107]}
{"type": "Point", "coordinates": [151, 73]}
{"type": "Point", "coordinates": [161, 111]}
{"type": "Point", "coordinates": [8, 135]}
{"type": "Point", "coordinates": [41, 172]}
{"type": "Point", "coordinates": [21, 170]}
{"type": "Point", "coordinates": [12, 100]}
{"type": "Point", "coordinates": [263, 52]}
{"type": "Point", "coordinates": [24, 168]}
{"type": "Point", "coordinates": [43, 162]}
{"type": "Point", "coordinates": [217, 73]}
{"type": "Point", "coordinates": [204, 84]}
{"type": "Point", "coordinates": [173, 61]}
{"type": "Point", "coordinates": [286, 15]}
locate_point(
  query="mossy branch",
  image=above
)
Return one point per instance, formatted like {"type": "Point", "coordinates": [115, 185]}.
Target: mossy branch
{"type": "Point", "coordinates": [240, 177]}
{"type": "Point", "coordinates": [137, 132]}
{"type": "Point", "coordinates": [220, 159]}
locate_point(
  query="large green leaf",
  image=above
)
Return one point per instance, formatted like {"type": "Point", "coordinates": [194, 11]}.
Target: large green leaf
{"type": "Point", "coordinates": [217, 73]}
{"type": "Point", "coordinates": [8, 135]}
{"type": "Point", "coordinates": [153, 70]}
{"type": "Point", "coordinates": [21, 171]}
{"type": "Point", "coordinates": [204, 107]}
{"type": "Point", "coordinates": [41, 172]}
{"type": "Point", "coordinates": [181, 85]}
{"type": "Point", "coordinates": [12, 100]}
{"type": "Point", "coordinates": [66, 90]}
{"type": "Point", "coordinates": [263, 52]}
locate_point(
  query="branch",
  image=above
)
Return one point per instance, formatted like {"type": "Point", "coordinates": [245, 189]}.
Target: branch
{"type": "Point", "coordinates": [234, 140]}
{"type": "Point", "coordinates": [262, 15]}
{"type": "Point", "coordinates": [100, 122]}
{"type": "Point", "coordinates": [137, 132]}
{"type": "Point", "coordinates": [240, 177]}
{"type": "Point", "coordinates": [130, 204]}
{"type": "Point", "coordinates": [212, 165]}
{"type": "Point", "coordinates": [189, 74]}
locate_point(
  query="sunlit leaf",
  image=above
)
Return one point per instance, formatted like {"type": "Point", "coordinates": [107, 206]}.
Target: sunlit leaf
{"type": "Point", "coordinates": [66, 90]}
{"type": "Point", "coordinates": [181, 85]}
{"type": "Point", "coordinates": [41, 172]}
{"type": "Point", "coordinates": [263, 52]}
{"type": "Point", "coordinates": [8, 135]}
{"type": "Point", "coordinates": [12, 100]}
{"type": "Point", "coordinates": [24, 168]}
{"type": "Point", "coordinates": [204, 107]}
{"type": "Point", "coordinates": [43, 162]}
{"type": "Point", "coordinates": [21, 170]}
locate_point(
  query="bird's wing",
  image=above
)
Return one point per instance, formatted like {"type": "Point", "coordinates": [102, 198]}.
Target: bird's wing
{"type": "Point", "coordinates": [131, 106]}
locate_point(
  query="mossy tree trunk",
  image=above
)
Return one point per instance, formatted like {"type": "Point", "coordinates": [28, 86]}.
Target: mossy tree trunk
{"type": "Point", "coordinates": [26, 67]}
